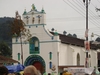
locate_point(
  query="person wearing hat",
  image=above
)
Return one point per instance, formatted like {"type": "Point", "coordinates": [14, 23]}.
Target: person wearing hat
{"type": "Point", "coordinates": [3, 70]}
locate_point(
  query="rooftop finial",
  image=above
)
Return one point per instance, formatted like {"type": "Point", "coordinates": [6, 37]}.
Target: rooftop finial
{"type": "Point", "coordinates": [42, 10]}
{"type": "Point", "coordinates": [33, 7]}
{"type": "Point", "coordinates": [24, 11]}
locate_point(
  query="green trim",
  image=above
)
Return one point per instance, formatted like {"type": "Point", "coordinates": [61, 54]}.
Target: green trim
{"type": "Point", "coordinates": [20, 43]}
{"type": "Point", "coordinates": [55, 33]}
{"type": "Point", "coordinates": [35, 52]}
{"type": "Point", "coordinates": [39, 42]}
{"type": "Point", "coordinates": [36, 25]}
{"type": "Point", "coordinates": [48, 41]}
{"type": "Point", "coordinates": [28, 13]}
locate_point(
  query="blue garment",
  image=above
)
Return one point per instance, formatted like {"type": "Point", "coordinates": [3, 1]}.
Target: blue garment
{"type": "Point", "coordinates": [15, 68]}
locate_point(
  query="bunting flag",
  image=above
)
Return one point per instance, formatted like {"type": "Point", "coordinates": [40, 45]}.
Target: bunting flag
{"type": "Point", "coordinates": [87, 45]}
{"type": "Point", "coordinates": [86, 33]}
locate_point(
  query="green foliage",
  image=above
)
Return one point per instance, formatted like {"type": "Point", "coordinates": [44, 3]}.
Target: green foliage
{"type": "Point", "coordinates": [5, 30]}
{"type": "Point", "coordinates": [5, 50]}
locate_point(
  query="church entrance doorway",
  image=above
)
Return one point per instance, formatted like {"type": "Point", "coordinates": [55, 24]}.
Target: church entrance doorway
{"type": "Point", "coordinates": [39, 66]}
{"type": "Point", "coordinates": [36, 61]}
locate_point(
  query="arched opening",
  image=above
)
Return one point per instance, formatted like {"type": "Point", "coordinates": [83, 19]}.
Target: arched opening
{"type": "Point", "coordinates": [37, 61]}
{"type": "Point", "coordinates": [89, 60]}
{"type": "Point", "coordinates": [39, 66]}
{"type": "Point", "coordinates": [78, 59]}
{"type": "Point", "coordinates": [34, 45]}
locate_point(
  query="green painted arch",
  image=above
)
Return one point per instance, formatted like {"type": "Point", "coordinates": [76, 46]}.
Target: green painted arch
{"type": "Point", "coordinates": [33, 58]}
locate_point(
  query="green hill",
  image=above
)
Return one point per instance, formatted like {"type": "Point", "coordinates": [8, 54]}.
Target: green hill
{"type": "Point", "coordinates": [5, 35]}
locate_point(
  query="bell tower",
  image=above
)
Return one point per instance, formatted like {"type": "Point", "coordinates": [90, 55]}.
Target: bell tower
{"type": "Point", "coordinates": [34, 17]}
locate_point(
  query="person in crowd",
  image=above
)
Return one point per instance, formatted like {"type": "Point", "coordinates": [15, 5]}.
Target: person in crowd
{"type": "Point", "coordinates": [49, 73]}
{"type": "Point", "coordinates": [30, 70]}
{"type": "Point", "coordinates": [39, 73]}
{"type": "Point", "coordinates": [17, 74]}
{"type": "Point", "coordinates": [3, 70]}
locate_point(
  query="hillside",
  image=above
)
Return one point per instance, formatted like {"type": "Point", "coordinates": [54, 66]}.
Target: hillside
{"type": "Point", "coordinates": [5, 35]}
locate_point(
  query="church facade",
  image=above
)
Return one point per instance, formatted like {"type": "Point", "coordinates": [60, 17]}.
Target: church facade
{"type": "Point", "coordinates": [49, 51]}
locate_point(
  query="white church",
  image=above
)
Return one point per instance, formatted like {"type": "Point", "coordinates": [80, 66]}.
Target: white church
{"type": "Point", "coordinates": [50, 51]}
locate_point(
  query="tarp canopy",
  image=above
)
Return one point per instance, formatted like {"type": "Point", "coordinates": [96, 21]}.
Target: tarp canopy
{"type": "Point", "coordinates": [15, 68]}
{"type": "Point", "coordinates": [79, 70]}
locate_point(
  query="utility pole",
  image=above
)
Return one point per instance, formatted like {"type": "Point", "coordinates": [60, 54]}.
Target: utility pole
{"type": "Point", "coordinates": [86, 60]}
{"type": "Point", "coordinates": [86, 34]}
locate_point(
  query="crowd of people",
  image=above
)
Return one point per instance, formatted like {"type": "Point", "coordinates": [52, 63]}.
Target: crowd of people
{"type": "Point", "coordinates": [29, 70]}
{"type": "Point", "coordinates": [3, 70]}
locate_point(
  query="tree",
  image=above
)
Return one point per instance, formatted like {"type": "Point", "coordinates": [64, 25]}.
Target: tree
{"type": "Point", "coordinates": [18, 30]}
{"type": "Point", "coordinates": [5, 50]}
{"type": "Point", "coordinates": [5, 29]}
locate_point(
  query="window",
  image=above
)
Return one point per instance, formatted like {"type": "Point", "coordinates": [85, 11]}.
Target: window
{"type": "Point", "coordinates": [50, 55]}
{"type": "Point", "coordinates": [39, 18]}
{"type": "Point", "coordinates": [27, 19]}
{"type": "Point", "coordinates": [89, 60]}
{"type": "Point", "coordinates": [18, 56]}
{"type": "Point", "coordinates": [78, 59]}
{"type": "Point", "coordinates": [50, 65]}
{"type": "Point", "coordinates": [33, 20]}
{"type": "Point", "coordinates": [34, 45]}
{"type": "Point", "coordinates": [16, 39]}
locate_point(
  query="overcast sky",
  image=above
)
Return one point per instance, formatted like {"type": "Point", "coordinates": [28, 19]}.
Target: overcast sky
{"type": "Point", "coordinates": [68, 15]}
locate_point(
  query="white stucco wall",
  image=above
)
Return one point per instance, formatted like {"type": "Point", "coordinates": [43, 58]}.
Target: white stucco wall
{"type": "Point", "coordinates": [82, 56]}
{"type": "Point", "coordinates": [94, 60]}
{"type": "Point", "coordinates": [62, 54]}
{"type": "Point", "coordinates": [46, 45]}
{"type": "Point", "coordinates": [30, 17]}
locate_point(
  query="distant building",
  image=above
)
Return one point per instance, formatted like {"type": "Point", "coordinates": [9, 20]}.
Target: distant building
{"type": "Point", "coordinates": [50, 51]}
